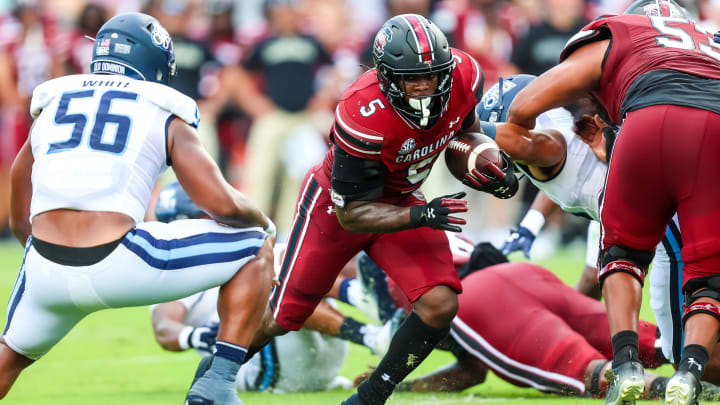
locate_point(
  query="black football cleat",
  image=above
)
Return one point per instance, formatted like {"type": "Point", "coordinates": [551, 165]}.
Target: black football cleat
{"type": "Point", "coordinates": [626, 384]}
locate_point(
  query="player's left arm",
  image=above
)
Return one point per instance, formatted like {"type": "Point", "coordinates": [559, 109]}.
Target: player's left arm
{"type": "Point", "coordinates": [568, 81]}
{"type": "Point", "coordinates": [21, 193]}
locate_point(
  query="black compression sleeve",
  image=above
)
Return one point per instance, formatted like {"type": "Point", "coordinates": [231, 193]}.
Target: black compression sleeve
{"type": "Point", "coordinates": [356, 179]}
{"type": "Point", "coordinates": [469, 119]}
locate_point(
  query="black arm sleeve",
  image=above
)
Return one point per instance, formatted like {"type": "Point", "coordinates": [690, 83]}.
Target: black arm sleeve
{"type": "Point", "coordinates": [356, 179]}
{"type": "Point", "coordinates": [469, 119]}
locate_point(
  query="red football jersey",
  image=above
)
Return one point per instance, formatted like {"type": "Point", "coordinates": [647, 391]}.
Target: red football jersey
{"type": "Point", "coordinates": [641, 44]}
{"type": "Point", "coordinates": [367, 126]}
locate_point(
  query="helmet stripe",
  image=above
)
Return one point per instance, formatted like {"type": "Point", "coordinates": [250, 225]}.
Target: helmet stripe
{"type": "Point", "coordinates": [426, 55]}
{"type": "Point", "coordinates": [425, 24]}
{"type": "Point", "coordinates": [415, 35]}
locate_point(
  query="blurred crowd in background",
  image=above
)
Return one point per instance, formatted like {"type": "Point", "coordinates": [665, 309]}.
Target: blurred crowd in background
{"type": "Point", "coordinates": [267, 74]}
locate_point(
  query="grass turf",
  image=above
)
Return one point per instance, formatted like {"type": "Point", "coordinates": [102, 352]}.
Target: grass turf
{"type": "Point", "coordinates": [112, 358]}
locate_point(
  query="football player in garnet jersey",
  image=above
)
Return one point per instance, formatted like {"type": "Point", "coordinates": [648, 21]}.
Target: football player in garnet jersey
{"type": "Point", "coordinates": [390, 127]}
{"type": "Point", "coordinates": [658, 73]}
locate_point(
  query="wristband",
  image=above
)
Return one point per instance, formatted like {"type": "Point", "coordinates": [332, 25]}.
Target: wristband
{"type": "Point", "coordinates": [184, 337]}
{"type": "Point", "coordinates": [533, 221]}
{"type": "Point", "coordinates": [270, 228]}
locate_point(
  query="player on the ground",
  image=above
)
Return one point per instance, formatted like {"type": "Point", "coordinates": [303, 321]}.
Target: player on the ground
{"type": "Point", "coordinates": [660, 75]}
{"type": "Point", "coordinates": [81, 185]}
{"type": "Point", "coordinates": [390, 127]}
{"type": "Point", "coordinates": [563, 345]}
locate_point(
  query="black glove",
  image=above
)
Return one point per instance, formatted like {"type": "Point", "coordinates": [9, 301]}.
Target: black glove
{"type": "Point", "coordinates": [502, 185]}
{"type": "Point", "coordinates": [716, 38]}
{"type": "Point", "coordinates": [436, 213]}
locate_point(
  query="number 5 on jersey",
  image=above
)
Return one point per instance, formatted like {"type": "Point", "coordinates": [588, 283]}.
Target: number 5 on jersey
{"type": "Point", "coordinates": [103, 117]}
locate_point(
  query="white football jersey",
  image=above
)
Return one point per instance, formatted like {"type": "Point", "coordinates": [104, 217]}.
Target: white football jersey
{"type": "Point", "coordinates": [577, 186]}
{"type": "Point", "coordinates": [99, 142]}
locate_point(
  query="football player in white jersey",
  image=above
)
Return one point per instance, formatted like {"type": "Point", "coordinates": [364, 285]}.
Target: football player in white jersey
{"type": "Point", "coordinates": [81, 185]}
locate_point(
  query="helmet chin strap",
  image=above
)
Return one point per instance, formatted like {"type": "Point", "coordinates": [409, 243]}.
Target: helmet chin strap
{"type": "Point", "coordinates": [421, 104]}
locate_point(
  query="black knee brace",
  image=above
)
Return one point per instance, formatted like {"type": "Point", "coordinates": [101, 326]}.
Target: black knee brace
{"type": "Point", "coordinates": [696, 288]}
{"type": "Point", "coordinates": [624, 260]}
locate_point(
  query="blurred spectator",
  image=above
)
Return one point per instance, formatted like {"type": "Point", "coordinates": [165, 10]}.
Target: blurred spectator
{"type": "Point", "coordinates": [30, 53]}
{"type": "Point", "coordinates": [91, 18]}
{"type": "Point", "coordinates": [396, 7]}
{"type": "Point", "coordinates": [710, 14]}
{"type": "Point", "coordinates": [231, 122]}
{"type": "Point", "coordinates": [478, 28]}
{"type": "Point", "coordinates": [539, 48]}
{"type": "Point", "coordinates": [277, 87]}
{"type": "Point", "coordinates": [192, 56]}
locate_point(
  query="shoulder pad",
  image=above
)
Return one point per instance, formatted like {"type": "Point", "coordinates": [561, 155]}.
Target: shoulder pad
{"type": "Point", "coordinates": [592, 32]}
{"type": "Point", "coordinates": [161, 95]}
{"type": "Point", "coordinates": [470, 71]}
{"type": "Point", "coordinates": [351, 136]}
{"type": "Point", "coordinates": [173, 101]}
{"type": "Point", "coordinates": [44, 94]}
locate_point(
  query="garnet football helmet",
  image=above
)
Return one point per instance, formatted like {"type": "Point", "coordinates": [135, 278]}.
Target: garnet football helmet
{"type": "Point", "coordinates": [406, 45]}
{"type": "Point", "coordinates": [134, 45]}
{"type": "Point", "coordinates": [658, 8]}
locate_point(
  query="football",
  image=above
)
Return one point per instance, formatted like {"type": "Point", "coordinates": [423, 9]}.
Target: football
{"type": "Point", "coordinates": [472, 150]}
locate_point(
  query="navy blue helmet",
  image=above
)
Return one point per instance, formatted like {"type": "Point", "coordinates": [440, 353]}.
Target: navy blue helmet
{"type": "Point", "coordinates": [173, 203]}
{"type": "Point", "coordinates": [134, 45]}
{"type": "Point", "coordinates": [494, 105]}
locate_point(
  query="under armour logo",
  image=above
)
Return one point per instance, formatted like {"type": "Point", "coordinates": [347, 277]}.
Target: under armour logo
{"type": "Point", "coordinates": [692, 362]}
{"type": "Point", "coordinates": [385, 377]}
{"type": "Point", "coordinates": [502, 189]}
{"type": "Point", "coordinates": [431, 213]}
{"type": "Point", "coordinates": [330, 210]}
{"type": "Point", "coordinates": [453, 122]}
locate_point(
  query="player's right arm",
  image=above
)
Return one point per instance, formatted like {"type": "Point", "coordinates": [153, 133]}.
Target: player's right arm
{"type": "Point", "coordinates": [172, 334]}
{"type": "Point", "coordinates": [201, 178]}
{"type": "Point", "coordinates": [21, 193]}
{"type": "Point", "coordinates": [167, 322]}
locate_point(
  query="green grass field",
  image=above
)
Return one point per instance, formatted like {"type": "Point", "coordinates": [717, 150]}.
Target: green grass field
{"type": "Point", "coordinates": [111, 358]}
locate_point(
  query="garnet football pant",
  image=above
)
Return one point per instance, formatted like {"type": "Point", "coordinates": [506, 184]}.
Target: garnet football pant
{"type": "Point", "coordinates": [416, 260]}
{"type": "Point", "coordinates": [533, 330]}
{"type": "Point", "coordinates": [666, 159]}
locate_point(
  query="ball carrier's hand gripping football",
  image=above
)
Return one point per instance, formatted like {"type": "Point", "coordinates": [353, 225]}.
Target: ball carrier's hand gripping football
{"type": "Point", "coordinates": [436, 213]}
{"type": "Point", "coordinates": [502, 183]}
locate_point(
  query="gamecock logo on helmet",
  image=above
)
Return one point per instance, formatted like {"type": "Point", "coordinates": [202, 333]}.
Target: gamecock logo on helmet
{"type": "Point", "coordinates": [382, 39]}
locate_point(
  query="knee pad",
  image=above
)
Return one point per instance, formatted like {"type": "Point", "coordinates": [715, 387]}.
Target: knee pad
{"type": "Point", "coordinates": [620, 259]}
{"type": "Point", "coordinates": [708, 287]}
